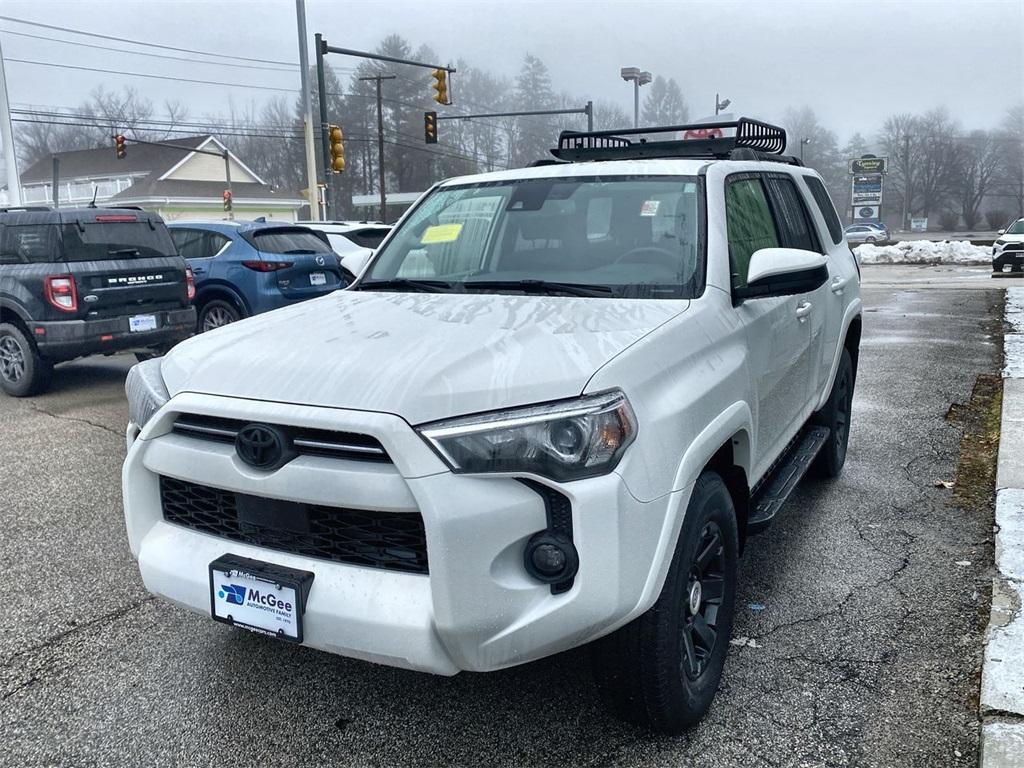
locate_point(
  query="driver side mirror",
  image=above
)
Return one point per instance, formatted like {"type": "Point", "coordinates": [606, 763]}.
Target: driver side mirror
{"type": "Point", "coordinates": [783, 272]}
{"type": "Point", "coordinates": [1001, 232]}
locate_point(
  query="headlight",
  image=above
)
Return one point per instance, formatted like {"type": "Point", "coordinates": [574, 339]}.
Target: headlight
{"type": "Point", "coordinates": [146, 391]}
{"type": "Point", "coordinates": [564, 441]}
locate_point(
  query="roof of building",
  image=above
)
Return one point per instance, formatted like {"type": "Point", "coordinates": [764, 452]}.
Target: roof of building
{"type": "Point", "coordinates": [103, 161]}
{"type": "Point", "coordinates": [149, 164]}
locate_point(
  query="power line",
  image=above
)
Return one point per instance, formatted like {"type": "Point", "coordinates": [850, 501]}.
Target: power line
{"type": "Point", "coordinates": [155, 77]}
{"type": "Point", "coordinates": [190, 132]}
{"type": "Point", "coordinates": [179, 123]}
{"type": "Point", "coordinates": [144, 43]}
{"type": "Point", "coordinates": [145, 53]}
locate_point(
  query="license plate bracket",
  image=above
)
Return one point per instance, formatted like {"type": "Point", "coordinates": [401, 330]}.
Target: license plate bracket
{"type": "Point", "coordinates": [262, 597]}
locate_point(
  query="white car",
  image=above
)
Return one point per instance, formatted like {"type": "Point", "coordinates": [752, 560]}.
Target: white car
{"type": "Point", "coordinates": [550, 412]}
{"type": "Point", "coordinates": [353, 241]}
{"type": "Point", "coordinates": [1008, 250]}
{"type": "Point", "coordinates": [865, 233]}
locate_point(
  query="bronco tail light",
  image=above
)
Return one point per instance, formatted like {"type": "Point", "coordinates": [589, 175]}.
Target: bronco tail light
{"type": "Point", "coordinates": [60, 292]}
{"type": "Point", "coordinates": [190, 283]}
{"type": "Point", "coordinates": [267, 266]}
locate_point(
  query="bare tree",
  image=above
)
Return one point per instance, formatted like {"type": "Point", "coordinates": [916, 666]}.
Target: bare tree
{"type": "Point", "coordinates": [979, 163]}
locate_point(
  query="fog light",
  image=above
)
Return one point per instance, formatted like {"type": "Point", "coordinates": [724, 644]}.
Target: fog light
{"type": "Point", "coordinates": [551, 557]}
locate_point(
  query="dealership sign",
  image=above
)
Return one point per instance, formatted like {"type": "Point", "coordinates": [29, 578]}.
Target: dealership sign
{"type": "Point", "coordinates": [866, 165]}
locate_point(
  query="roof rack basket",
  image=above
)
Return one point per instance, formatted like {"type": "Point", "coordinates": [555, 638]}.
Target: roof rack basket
{"type": "Point", "coordinates": [754, 135]}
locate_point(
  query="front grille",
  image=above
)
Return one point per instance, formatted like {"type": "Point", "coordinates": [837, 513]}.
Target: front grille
{"type": "Point", "coordinates": [1013, 247]}
{"type": "Point", "coordinates": [311, 442]}
{"type": "Point", "coordinates": [394, 541]}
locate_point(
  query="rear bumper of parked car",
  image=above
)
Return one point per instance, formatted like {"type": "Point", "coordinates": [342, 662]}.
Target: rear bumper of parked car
{"type": "Point", "coordinates": [67, 339]}
{"type": "Point", "coordinates": [476, 608]}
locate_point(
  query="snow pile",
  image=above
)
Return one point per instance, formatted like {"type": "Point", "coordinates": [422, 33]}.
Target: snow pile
{"type": "Point", "coordinates": [925, 252]}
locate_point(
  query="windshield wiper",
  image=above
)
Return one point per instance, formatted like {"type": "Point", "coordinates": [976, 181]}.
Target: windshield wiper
{"type": "Point", "coordinates": [123, 252]}
{"type": "Point", "coordinates": [541, 286]}
{"type": "Point", "coordinates": [423, 286]}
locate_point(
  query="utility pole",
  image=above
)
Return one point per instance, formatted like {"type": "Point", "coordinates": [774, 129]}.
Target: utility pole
{"type": "Point", "coordinates": [7, 137]}
{"type": "Point", "coordinates": [56, 182]}
{"type": "Point", "coordinates": [307, 113]}
{"type": "Point", "coordinates": [380, 142]}
{"type": "Point", "coordinates": [906, 180]}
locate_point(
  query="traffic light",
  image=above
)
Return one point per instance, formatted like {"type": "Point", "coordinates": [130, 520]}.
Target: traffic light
{"type": "Point", "coordinates": [441, 86]}
{"type": "Point", "coordinates": [227, 199]}
{"type": "Point", "coordinates": [119, 146]}
{"type": "Point", "coordinates": [430, 127]}
{"type": "Point", "coordinates": [337, 148]}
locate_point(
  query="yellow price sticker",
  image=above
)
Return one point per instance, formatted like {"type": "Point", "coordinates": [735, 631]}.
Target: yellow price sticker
{"type": "Point", "coordinates": [441, 233]}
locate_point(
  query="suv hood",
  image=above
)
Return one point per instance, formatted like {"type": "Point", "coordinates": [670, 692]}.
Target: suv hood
{"type": "Point", "coordinates": [422, 356]}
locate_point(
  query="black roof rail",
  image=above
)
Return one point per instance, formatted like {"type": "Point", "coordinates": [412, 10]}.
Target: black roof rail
{"type": "Point", "coordinates": [750, 134]}
{"type": "Point", "coordinates": [14, 208]}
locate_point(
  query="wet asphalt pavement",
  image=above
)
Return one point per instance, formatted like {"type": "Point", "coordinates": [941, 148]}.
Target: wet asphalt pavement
{"type": "Point", "coordinates": [859, 621]}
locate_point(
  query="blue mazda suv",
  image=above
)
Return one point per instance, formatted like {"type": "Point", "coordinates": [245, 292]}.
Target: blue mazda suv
{"type": "Point", "coordinates": [243, 268]}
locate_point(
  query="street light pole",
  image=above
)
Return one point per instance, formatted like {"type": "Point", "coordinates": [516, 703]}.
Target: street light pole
{"type": "Point", "coordinates": [638, 78]}
{"type": "Point", "coordinates": [307, 113]}
{"type": "Point", "coordinates": [803, 143]}
{"type": "Point", "coordinates": [721, 104]}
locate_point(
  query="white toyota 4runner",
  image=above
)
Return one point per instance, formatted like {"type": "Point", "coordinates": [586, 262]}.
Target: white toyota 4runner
{"type": "Point", "coordinates": [549, 412]}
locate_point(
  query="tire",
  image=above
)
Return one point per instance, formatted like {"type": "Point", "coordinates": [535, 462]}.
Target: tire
{"type": "Point", "coordinates": [23, 372]}
{"type": "Point", "coordinates": [216, 313]}
{"type": "Point", "coordinates": [869, 240]}
{"type": "Point", "coordinates": [835, 415]}
{"type": "Point", "coordinates": [644, 670]}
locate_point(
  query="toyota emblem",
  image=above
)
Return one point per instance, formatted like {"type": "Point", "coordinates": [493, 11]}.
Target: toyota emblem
{"type": "Point", "coordinates": [320, 260]}
{"type": "Point", "coordinates": [260, 446]}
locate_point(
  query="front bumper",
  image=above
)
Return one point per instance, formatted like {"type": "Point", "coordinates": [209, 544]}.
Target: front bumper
{"type": "Point", "coordinates": [477, 609]}
{"type": "Point", "coordinates": [68, 339]}
{"type": "Point", "coordinates": [1007, 259]}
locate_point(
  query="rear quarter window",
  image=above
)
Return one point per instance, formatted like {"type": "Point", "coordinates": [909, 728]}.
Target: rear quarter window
{"type": "Point", "coordinates": [29, 244]}
{"type": "Point", "coordinates": [825, 207]}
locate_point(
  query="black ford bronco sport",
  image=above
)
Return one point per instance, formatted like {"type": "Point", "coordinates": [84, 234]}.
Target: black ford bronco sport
{"type": "Point", "coordinates": [76, 282]}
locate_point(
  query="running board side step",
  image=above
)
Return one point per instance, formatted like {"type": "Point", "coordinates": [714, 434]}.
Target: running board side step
{"type": "Point", "coordinates": [773, 491]}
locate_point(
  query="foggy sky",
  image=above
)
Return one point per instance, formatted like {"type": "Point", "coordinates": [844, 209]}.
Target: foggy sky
{"type": "Point", "coordinates": [854, 63]}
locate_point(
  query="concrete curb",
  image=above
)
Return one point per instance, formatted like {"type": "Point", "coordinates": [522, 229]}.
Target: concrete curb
{"type": "Point", "coordinates": [1002, 677]}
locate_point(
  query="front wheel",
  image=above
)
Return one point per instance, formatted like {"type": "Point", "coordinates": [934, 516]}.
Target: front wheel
{"type": "Point", "coordinates": [835, 415]}
{"type": "Point", "coordinates": [22, 371]}
{"type": "Point", "coordinates": [662, 670]}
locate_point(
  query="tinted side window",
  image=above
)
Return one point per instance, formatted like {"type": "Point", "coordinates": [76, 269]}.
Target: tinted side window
{"type": "Point", "coordinates": [29, 244]}
{"type": "Point", "coordinates": [367, 238]}
{"type": "Point", "coordinates": [791, 215]}
{"type": "Point", "coordinates": [189, 242]}
{"type": "Point", "coordinates": [750, 226]}
{"type": "Point", "coordinates": [825, 207]}
{"type": "Point", "coordinates": [214, 242]}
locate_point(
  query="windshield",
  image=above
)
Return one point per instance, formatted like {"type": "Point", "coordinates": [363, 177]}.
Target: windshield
{"type": "Point", "coordinates": [116, 240]}
{"type": "Point", "coordinates": [289, 241]}
{"type": "Point", "coordinates": [629, 236]}
{"type": "Point", "coordinates": [1017, 228]}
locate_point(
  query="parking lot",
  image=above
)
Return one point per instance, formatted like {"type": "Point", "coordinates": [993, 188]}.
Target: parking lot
{"type": "Point", "coordinates": [857, 640]}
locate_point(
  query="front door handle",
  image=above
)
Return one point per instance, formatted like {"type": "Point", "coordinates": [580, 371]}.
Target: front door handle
{"type": "Point", "coordinates": [803, 310]}
{"type": "Point", "coordinates": [837, 284]}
